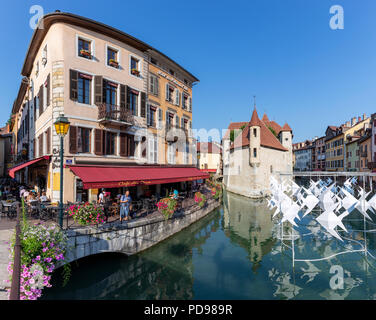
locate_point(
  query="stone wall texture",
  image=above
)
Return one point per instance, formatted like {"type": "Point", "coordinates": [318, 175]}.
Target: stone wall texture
{"type": "Point", "coordinates": [133, 237]}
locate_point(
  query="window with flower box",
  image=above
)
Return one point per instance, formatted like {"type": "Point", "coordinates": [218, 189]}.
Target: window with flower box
{"type": "Point", "coordinates": [112, 57]}
{"type": "Point", "coordinates": [135, 66]}
{"type": "Point", "coordinates": [84, 48]}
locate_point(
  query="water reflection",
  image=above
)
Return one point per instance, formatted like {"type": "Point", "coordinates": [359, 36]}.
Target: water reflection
{"type": "Point", "coordinates": [233, 253]}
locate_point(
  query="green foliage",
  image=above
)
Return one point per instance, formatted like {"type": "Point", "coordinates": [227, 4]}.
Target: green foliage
{"type": "Point", "coordinates": [272, 130]}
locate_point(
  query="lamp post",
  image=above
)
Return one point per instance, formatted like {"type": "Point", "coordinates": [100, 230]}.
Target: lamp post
{"type": "Point", "coordinates": [61, 127]}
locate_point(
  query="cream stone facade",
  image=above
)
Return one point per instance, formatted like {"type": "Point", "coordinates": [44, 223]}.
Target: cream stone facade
{"type": "Point", "coordinates": [68, 71]}
{"type": "Point", "coordinates": [254, 155]}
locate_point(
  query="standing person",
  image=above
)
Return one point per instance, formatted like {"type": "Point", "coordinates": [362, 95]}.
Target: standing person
{"type": "Point", "coordinates": [125, 202]}
{"type": "Point", "coordinates": [101, 197]}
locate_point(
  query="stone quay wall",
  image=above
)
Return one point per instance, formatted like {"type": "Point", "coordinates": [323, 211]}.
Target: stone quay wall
{"type": "Point", "coordinates": [134, 236]}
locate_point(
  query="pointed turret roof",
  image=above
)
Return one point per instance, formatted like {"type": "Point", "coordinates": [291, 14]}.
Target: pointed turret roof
{"type": "Point", "coordinates": [286, 127]}
{"type": "Point", "coordinates": [255, 121]}
{"type": "Point", "coordinates": [265, 118]}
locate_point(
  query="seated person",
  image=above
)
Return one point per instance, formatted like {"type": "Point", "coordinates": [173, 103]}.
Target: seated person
{"type": "Point", "coordinates": [175, 194]}
{"type": "Point", "coordinates": [43, 197]}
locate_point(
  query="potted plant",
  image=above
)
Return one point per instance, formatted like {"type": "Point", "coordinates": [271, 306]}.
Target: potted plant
{"type": "Point", "coordinates": [200, 199]}
{"type": "Point", "coordinates": [167, 207]}
{"type": "Point", "coordinates": [113, 63]}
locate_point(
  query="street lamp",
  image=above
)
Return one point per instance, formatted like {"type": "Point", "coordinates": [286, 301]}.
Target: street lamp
{"type": "Point", "coordinates": [61, 126]}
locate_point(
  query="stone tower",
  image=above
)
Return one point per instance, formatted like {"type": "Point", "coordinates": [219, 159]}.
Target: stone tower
{"type": "Point", "coordinates": [254, 139]}
{"type": "Point", "coordinates": [286, 141]}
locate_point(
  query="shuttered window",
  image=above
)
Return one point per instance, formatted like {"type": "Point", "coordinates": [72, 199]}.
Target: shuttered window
{"type": "Point", "coordinates": [40, 144]}
{"type": "Point", "coordinates": [154, 85]}
{"type": "Point", "coordinates": [177, 97]}
{"type": "Point", "coordinates": [98, 90]}
{"type": "Point", "coordinates": [98, 142]}
{"type": "Point", "coordinates": [123, 96]}
{"type": "Point", "coordinates": [73, 139]}
{"type": "Point", "coordinates": [48, 89]}
{"type": "Point", "coordinates": [40, 94]}
{"type": "Point", "coordinates": [143, 104]}
{"type": "Point", "coordinates": [48, 141]}
{"type": "Point", "coordinates": [127, 146]}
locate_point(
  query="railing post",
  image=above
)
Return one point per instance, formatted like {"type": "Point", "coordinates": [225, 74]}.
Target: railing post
{"type": "Point", "coordinates": [15, 286]}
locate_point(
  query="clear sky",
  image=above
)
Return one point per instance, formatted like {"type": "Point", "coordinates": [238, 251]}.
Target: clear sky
{"type": "Point", "coordinates": [282, 51]}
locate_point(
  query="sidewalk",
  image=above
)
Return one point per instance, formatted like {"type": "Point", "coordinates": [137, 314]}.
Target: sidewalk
{"type": "Point", "coordinates": [4, 259]}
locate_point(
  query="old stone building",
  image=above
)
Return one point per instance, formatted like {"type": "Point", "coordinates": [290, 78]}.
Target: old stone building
{"type": "Point", "coordinates": [252, 152]}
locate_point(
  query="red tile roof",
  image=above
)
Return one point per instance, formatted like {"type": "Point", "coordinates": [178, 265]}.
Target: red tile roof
{"type": "Point", "coordinates": [208, 147]}
{"type": "Point", "coordinates": [233, 126]}
{"type": "Point", "coordinates": [267, 138]}
{"type": "Point", "coordinates": [286, 127]}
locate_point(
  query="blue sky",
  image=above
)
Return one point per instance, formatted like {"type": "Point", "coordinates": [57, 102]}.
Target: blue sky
{"type": "Point", "coordinates": [282, 51]}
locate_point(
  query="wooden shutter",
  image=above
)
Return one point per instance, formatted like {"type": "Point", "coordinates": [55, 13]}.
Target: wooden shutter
{"type": "Point", "coordinates": [128, 105]}
{"type": "Point", "coordinates": [177, 121]}
{"type": "Point", "coordinates": [131, 146]}
{"type": "Point", "coordinates": [156, 84]}
{"type": "Point", "coordinates": [123, 96]}
{"type": "Point", "coordinates": [40, 145]}
{"type": "Point", "coordinates": [98, 90]}
{"type": "Point", "coordinates": [167, 92]}
{"type": "Point", "coordinates": [160, 114]}
{"type": "Point", "coordinates": [48, 88]}
{"type": "Point", "coordinates": [35, 110]}
{"type": "Point", "coordinates": [98, 142]}
{"type": "Point", "coordinates": [143, 104]}
{"type": "Point", "coordinates": [190, 104]}
{"type": "Point", "coordinates": [148, 122]}
{"type": "Point", "coordinates": [73, 140]}
{"type": "Point", "coordinates": [40, 100]}
{"type": "Point", "coordinates": [123, 144]}
{"type": "Point", "coordinates": [73, 84]}
{"type": "Point", "coordinates": [48, 137]}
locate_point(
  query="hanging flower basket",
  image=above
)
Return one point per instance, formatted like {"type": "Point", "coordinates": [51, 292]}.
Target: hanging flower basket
{"type": "Point", "coordinates": [200, 199]}
{"type": "Point", "coordinates": [167, 207]}
{"type": "Point", "coordinates": [85, 53]}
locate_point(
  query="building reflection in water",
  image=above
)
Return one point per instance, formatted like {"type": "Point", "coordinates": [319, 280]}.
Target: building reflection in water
{"type": "Point", "coordinates": [233, 253]}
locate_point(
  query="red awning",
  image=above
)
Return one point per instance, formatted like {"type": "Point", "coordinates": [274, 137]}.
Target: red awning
{"type": "Point", "coordinates": [209, 170]}
{"type": "Point", "coordinates": [26, 164]}
{"type": "Point", "coordinates": [94, 177]}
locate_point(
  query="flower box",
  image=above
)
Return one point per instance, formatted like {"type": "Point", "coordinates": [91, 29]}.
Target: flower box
{"type": "Point", "coordinates": [135, 72]}
{"type": "Point", "coordinates": [85, 53]}
{"type": "Point", "coordinates": [113, 63]}
{"type": "Point", "coordinates": [167, 206]}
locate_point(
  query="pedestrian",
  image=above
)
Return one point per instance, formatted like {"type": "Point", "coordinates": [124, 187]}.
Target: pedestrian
{"type": "Point", "coordinates": [125, 202]}
{"type": "Point", "coordinates": [101, 197]}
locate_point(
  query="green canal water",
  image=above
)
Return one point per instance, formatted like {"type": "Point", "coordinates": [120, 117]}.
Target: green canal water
{"type": "Point", "coordinates": [235, 252]}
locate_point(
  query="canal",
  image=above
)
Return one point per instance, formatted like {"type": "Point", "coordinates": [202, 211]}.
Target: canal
{"type": "Point", "coordinates": [235, 252]}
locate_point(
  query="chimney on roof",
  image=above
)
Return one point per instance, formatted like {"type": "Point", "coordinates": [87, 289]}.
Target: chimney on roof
{"type": "Point", "coordinates": [348, 124]}
{"type": "Point", "coordinates": [353, 121]}
{"type": "Point", "coordinates": [359, 119]}
{"type": "Point", "coordinates": [364, 116]}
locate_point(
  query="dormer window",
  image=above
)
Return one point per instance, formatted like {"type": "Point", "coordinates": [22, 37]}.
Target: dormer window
{"type": "Point", "coordinates": [84, 48]}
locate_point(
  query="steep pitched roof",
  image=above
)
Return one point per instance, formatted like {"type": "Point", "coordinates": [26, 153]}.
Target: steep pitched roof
{"type": "Point", "coordinates": [265, 118]}
{"type": "Point", "coordinates": [286, 127]}
{"type": "Point", "coordinates": [267, 138]}
{"type": "Point", "coordinates": [233, 126]}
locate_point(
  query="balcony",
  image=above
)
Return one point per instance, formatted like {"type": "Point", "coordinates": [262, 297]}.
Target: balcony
{"type": "Point", "coordinates": [371, 165]}
{"type": "Point", "coordinates": [112, 114]}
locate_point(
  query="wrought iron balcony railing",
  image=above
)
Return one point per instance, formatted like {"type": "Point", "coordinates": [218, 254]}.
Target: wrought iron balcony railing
{"type": "Point", "coordinates": [371, 165]}
{"type": "Point", "coordinates": [112, 113]}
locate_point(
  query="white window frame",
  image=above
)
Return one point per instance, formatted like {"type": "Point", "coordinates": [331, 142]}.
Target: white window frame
{"type": "Point", "coordinates": [118, 56]}
{"type": "Point", "coordinates": [139, 66]}
{"type": "Point", "coordinates": [92, 97]}
{"type": "Point", "coordinates": [92, 45]}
